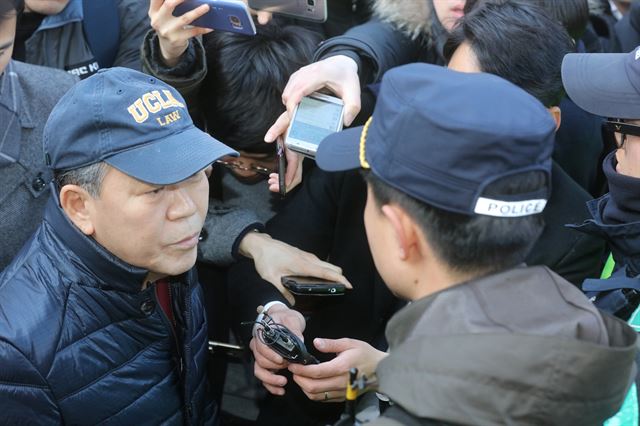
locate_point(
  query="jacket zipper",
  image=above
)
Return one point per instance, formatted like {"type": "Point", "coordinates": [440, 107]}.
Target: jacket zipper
{"type": "Point", "coordinates": [187, 352]}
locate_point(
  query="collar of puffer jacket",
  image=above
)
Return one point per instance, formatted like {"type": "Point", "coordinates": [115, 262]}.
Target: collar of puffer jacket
{"type": "Point", "coordinates": [411, 16]}
{"type": "Point", "coordinates": [110, 271]}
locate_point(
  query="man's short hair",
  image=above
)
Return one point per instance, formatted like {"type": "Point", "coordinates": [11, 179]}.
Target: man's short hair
{"type": "Point", "coordinates": [242, 93]}
{"type": "Point", "coordinates": [472, 244]}
{"type": "Point", "coordinates": [88, 177]}
{"type": "Point", "coordinates": [572, 14]}
{"type": "Point", "coordinates": [517, 41]}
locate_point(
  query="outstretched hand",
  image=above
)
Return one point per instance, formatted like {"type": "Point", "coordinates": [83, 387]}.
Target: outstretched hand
{"type": "Point", "coordinates": [274, 259]}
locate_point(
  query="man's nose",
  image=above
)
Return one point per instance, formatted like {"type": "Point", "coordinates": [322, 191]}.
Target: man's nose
{"type": "Point", "coordinates": [182, 204]}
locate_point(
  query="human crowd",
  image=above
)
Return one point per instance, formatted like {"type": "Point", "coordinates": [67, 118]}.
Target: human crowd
{"type": "Point", "coordinates": [480, 210]}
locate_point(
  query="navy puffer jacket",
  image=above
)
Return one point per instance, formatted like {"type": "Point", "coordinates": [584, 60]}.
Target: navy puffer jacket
{"type": "Point", "coordinates": [80, 343]}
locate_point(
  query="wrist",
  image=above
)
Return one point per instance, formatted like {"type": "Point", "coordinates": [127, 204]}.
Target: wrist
{"type": "Point", "coordinates": [273, 306]}
{"type": "Point", "coordinates": [346, 61]}
{"type": "Point", "coordinates": [251, 243]}
{"type": "Point", "coordinates": [171, 56]}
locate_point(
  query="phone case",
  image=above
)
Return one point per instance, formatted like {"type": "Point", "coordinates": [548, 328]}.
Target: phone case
{"type": "Point", "coordinates": [224, 15]}
{"type": "Point", "coordinates": [310, 10]}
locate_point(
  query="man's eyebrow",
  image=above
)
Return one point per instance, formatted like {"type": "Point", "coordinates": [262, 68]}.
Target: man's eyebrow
{"type": "Point", "coordinates": [4, 46]}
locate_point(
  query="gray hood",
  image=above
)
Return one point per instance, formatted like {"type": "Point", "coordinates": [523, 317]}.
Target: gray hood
{"type": "Point", "coordinates": [410, 16]}
{"type": "Point", "coordinates": [520, 347]}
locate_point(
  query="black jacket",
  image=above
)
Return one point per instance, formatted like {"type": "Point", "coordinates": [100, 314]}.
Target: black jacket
{"type": "Point", "coordinates": [573, 255]}
{"type": "Point", "coordinates": [325, 217]}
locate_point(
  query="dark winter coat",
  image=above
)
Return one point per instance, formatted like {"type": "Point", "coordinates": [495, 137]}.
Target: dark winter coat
{"type": "Point", "coordinates": [81, 343]}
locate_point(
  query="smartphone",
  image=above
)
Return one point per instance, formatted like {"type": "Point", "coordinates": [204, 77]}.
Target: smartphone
{"type": "Point", "coordinates": [282, 168]}
{"type": "Point", "coordinates": [224, 15]}
{"type": "Point", "coordinates": [310, 10]}
{"type": "Point", "coordinates": [316, 117]}
{"type": "Point", "coordinates": [311, 286]}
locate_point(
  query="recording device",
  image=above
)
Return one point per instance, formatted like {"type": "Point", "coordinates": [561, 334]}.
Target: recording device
{"type": "Point", "coordinates": [223, 15]}
{"type": "Point", "coordinates": [311, 286]}
{"type": "Point", "coordinates": [282, 340]}
{"type": "Point", "coordinates": [316, 117]}
{"type": "Point", "coordinates": [310, 10]}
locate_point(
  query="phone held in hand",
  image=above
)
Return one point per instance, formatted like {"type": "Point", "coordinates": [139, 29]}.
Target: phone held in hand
{"type": "Point", "coordinates": [310, 10]}
{"type": "Point", "coordinates": [223, 15]}
{"type": "Point", "coordinates": [316, 117]}
{"type": "Point", "coordinates": [311, 286]}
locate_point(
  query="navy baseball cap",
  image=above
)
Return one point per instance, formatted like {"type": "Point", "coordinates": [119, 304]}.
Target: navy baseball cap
{"type": "Point", "coordinates": [442, 136]}
{"type": "Point", "coordinates": [133, 122]}
{"type": "Point", "coordinates": [605, 84]}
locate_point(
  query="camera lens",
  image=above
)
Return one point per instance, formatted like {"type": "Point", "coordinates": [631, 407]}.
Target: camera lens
{"type": "Point", "coordinates": [311, 2]}
{"type": "Point", "coordinates": [235, 21]}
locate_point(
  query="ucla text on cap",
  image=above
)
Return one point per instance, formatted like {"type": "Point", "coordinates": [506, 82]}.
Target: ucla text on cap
{"type": "Point", "coordinates": [152, 103]}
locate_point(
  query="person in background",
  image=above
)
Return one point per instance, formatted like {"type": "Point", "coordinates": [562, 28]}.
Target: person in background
{"type": "Point", "coordinates": [27, 95]}
{"type": "Point", "coordinates": [81, 36]}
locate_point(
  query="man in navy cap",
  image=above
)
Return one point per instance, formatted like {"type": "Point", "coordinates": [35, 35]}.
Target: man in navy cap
{"type": "Point", "coordinates": [454, 203]}
{"type": "Point", "coordinates": [609, 85]}
{"type": "Point", "coordinates": [101, 315]}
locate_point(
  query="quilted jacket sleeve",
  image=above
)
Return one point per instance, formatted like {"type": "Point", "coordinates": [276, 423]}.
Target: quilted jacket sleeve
{"type": "Point", "coordinates": [24, 394]}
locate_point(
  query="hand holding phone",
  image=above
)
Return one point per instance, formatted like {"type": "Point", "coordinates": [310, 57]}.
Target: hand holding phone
{"type": "Point", "coordinates": [223, 15]}
{"type": "Point", "coordinates": [174, 32]}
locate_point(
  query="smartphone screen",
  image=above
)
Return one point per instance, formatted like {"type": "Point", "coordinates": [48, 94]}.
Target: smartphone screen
{"type": "Point", "coordinates": [315, 119]}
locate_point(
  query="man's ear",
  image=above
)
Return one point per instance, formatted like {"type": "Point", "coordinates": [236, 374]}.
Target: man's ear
{"type": "Point", "coordinates": [404, 230]}
{"type": "Point", "coordinates": [76, 203]}
{"type": "Point", "coordinates": [556, 113]}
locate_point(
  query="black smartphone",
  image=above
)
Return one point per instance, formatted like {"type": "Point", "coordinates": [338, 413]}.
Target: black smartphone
{"type": "Point", "coordinates": [311, 286]}
{"type": "Point", "coordinates": [282, 168]}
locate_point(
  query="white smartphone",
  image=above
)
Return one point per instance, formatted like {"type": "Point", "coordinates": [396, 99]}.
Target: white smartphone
{"type": "Point", "coordinates": [316, 117]}
{"type": "Point", "coordinates": [310, 10]}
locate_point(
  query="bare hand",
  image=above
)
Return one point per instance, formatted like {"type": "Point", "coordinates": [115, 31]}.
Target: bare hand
{"type": "Point", "coordinates": [339, 74]}
{"type": "Point", "coordinates": [327, 382]}
{"type": "Point", "coordinates": [174, 32]}
{"type": "Point", "coordinates": [274, 259]}
{"type": "Point", "coordinates": [268, 362]}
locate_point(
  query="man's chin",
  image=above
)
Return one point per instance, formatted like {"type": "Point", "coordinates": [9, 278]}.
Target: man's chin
{"type": "Point", "coordinates": [180, 265]}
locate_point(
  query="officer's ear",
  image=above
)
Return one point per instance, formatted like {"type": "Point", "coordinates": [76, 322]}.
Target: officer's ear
{"type": "Point", "coordinates": [556, 113]}
{"type": "Point", "coordinates": [76, 201]}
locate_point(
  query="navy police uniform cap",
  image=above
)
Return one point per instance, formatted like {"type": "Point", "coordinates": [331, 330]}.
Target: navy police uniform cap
{"type": "Point", "coordinates": [442, 136]}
